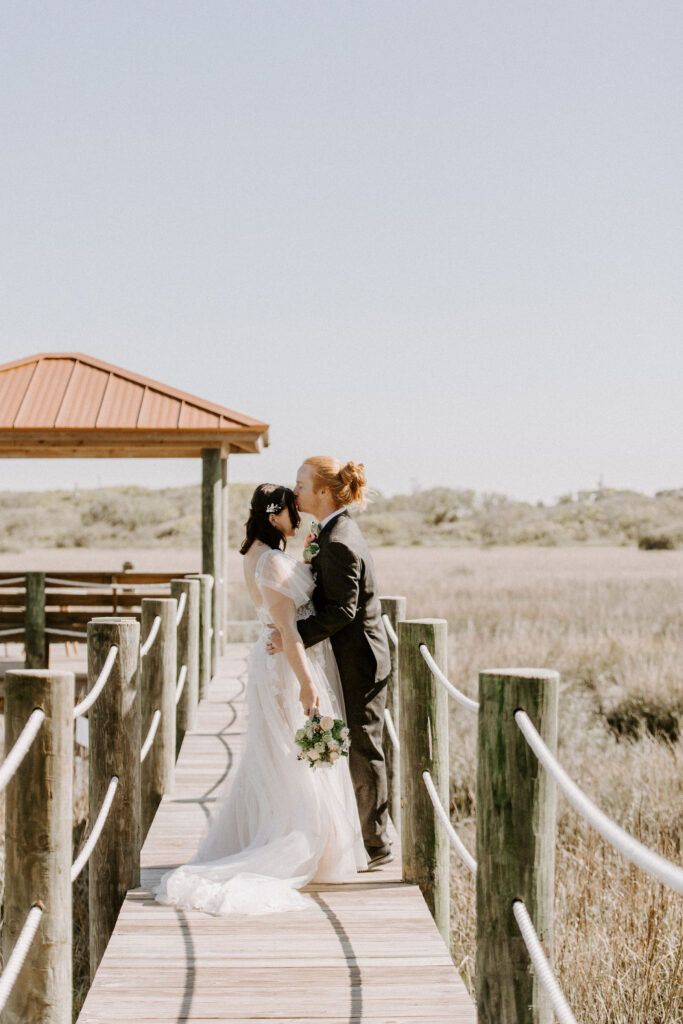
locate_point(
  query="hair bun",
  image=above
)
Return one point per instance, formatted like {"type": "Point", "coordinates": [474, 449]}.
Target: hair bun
{"type": "Point", "coordinates": [353, 475]}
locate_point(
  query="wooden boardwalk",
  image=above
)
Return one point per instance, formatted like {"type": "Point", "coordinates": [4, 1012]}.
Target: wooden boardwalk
{"type": "Point", "coordinates": [366, 951]}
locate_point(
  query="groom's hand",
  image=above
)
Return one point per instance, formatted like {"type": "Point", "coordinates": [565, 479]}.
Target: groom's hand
{"type": "Point", "coordinates": [274, 641]}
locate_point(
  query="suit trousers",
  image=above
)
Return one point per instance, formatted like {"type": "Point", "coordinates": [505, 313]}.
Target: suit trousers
{"type": "Point", "coordinates": [365, 718]}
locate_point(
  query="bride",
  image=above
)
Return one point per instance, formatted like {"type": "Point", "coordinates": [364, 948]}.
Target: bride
{"type": "Point", "coordinates": [279, 823]}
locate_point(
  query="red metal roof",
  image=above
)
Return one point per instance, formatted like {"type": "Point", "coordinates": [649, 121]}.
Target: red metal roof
{"type": "Point", "coordinates": [54, 401]}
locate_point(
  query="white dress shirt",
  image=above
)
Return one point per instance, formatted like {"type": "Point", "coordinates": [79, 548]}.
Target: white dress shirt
{"type": "Point", "coordinates": [327, 519]}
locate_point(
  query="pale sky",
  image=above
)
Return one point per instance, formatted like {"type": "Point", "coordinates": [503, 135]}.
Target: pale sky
{"type": "Point", "coordinates": [442, 238]}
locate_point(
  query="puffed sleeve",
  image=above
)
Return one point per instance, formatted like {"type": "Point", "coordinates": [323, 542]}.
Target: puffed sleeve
{"type": "Point", "coordinates": [277, 571]}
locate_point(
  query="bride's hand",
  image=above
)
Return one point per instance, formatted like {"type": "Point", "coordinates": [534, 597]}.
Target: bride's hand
{"type": "Point", "coordinates": [310, 701]}
{"type": "Point", "coordinates": [310, 538]}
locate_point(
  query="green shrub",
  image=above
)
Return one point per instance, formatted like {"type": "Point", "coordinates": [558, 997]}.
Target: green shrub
{"type": "Point", "coordinates": [656, 542]}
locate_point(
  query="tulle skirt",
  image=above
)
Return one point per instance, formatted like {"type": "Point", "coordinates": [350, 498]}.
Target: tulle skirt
{"type": "Point", "coordinates": [278, 823]}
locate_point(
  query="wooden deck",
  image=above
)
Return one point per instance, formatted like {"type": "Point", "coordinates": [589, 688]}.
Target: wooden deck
{"type": "Point", "coordinates": [368, 951]}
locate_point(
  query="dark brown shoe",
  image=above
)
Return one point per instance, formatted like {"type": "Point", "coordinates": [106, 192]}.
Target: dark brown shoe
{"type": "Point", "coordinates": [381, 857]}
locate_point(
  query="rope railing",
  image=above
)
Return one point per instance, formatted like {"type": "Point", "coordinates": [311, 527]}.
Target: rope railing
{"type": "Point", "coordinates": [631, 848]}
{"type": "Point", "coordinates": [16, 958]}
{"type": "Point", "coordinates": [21, 747]}
{"type": "Point", "coordinates": [543, 969]}
{"type": "Point", "coordinates": [56, 581]}
{"type": "Point", "coordinates": [467, 702]}
{"type": "Point", "coordinates": [182, 675]}
{"type": "Point", "coordinates": [91, 843]}
{"type": "Point", "coordinates": [456, 841]}
{"type": "Point", "coordinates": [127, 688]}
{"type": "Point", "coordinates": [12, 581]}
{"type": "Point", "coordinates": [151, 636]}
{"type": "Point", "coordinates": [391, 729]}
{"type": "Point", "coordinates": [391, 632]}
{"type": "Point", "coordinates": [67, 632]}
{"type": "Point", "coordinates": [89, 700]}
{"type": "Point", "coordinates": [151, 733]}
{"type": "Point", "coordinates": [501, 719]}
{"type": "Point", "coordinates": [181, 608]}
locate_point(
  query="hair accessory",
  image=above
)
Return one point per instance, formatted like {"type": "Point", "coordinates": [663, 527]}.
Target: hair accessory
{"type": "Point", "coordinates": [275, 509]}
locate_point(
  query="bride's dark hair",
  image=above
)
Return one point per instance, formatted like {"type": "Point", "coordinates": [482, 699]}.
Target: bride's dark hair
{"type": "Point", "coordinates": [269, 498]}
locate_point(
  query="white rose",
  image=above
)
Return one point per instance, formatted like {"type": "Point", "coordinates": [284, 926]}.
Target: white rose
{"type": "Point", "coordinates": [333, 745]}
{"type": "Point", "coordinates": [333, 755]}
{"type": "Point", "coordinates": [314, 755]}
{"type": "Point", "coordinates": [343, 733]}
{"type": "Point", "coordinates": [326, 723]}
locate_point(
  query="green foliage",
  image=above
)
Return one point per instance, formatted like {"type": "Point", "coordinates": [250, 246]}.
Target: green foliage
{"type": "Point", "coordinates": [656, 542]}
{"type": "Point", "coordinates": [440, 516]}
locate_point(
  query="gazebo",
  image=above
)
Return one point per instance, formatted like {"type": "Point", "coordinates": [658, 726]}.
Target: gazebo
{"type": "Point", "coordinates": [70, 405]}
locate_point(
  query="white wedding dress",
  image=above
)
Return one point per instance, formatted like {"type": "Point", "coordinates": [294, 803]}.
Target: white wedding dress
{"type": "Point", "coordinates": [279, 823]}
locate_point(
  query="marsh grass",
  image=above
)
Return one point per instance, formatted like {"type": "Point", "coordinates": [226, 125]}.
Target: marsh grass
{"type": "Point", "coordinates": [610, 621]}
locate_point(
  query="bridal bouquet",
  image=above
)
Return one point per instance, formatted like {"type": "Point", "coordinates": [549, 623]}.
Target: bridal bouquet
{"type": "Point", "coordinates": [323, 740]}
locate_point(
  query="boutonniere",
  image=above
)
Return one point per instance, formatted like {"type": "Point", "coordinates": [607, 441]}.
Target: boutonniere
{"type": "Point", "coordinates": [313, 548]}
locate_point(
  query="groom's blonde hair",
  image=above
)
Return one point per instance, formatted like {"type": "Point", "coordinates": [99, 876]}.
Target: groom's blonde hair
{"type": "Point", "coordinates": [346, 483]}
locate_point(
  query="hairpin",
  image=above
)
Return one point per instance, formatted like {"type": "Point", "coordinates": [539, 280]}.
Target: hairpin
{"type": "Point", "coordinates": [273, 508]}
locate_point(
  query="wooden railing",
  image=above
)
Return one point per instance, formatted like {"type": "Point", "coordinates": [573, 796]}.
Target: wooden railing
{"type": "Point", "coordinates": [136, 708]}
{"type": "Point", "coordinates": [517, 775]}
{"type": "Point", "coordinates": [39, 609]}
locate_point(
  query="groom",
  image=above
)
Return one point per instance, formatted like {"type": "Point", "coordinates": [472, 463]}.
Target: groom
{"type": "Point", "coordinates": [348, 611]}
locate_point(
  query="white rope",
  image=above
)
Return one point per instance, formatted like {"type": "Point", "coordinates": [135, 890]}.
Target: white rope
{"type": "Point", "coordinates": [67, 632]}
{"type": "Point", "coordinates": [456, 841]}
{"type": "Point", "coordinates": [151, 636]}
{"type": "Point", "coordinates": [543, 968]}
{"type": "Point", "coordinates": [181, 607]}
{"type": "Point", "coordinates": [147, 745]}
{"type": "Point", "coordinates": [12, 632]}
{"type": "Point", "coordinates": [390, 630]}
{"type": "Point", "coordinates": [18, 954]}
{"type": "Point", "coordinates": [466, 702]}
{"type": "Point", "coordinates": [21, 746]}
{"type": "Point", "coordinates": [84, 855]}
{"type": "Point", "coordinates": [94, 585]}
{"type": "Point", "coordinates": [647, 859]}
{"type": "Point", "coordinates": [181, 682]}
{"type": "Point", "coordinates": [102, 678]}
{"type": "Point", "coordinates": [11, 582]}
{"type": "Point", "coordinates": [391, 729]}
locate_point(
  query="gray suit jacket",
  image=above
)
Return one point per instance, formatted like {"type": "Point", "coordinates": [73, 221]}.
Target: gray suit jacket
{"type": "Point", "coordinates": [347, 607]}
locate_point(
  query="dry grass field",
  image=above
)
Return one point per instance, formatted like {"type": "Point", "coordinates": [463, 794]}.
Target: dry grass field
{"type": "Point", "coordinates": [610, 619]}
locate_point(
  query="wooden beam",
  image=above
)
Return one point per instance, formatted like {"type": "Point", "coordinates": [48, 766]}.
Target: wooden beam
{"type": "Point", "coordinates": [212, 542]}
{"type": "Point", "coordinates": [176, 443]}
{"type": "Point", "coordinates": [224, 553]}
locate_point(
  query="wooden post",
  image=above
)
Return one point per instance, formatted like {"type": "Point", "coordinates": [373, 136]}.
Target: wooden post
{"type": "Point", "coordinates": [187, 647]}
{"type": "Point", "coordinates": [212, 544]}
{"type": "Point", "coordinates": [38, 845]}
{"type": "Point", "coordinates": [114, 720]}
{"type": "Point", "coordinates": [224, 552]}
{"type": "Point", "coordinates": [423, 733]}
{"type": "Point", "coordinates": [205, 585]}
{"type": "Point", "coordinates": [35, 638]}
{"type": "Point", "coordinates": [395, 610]}
{"type": "Point", "coordinates": [158, 674]}
{"type": "Point", "coordinates": [516, 802]}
